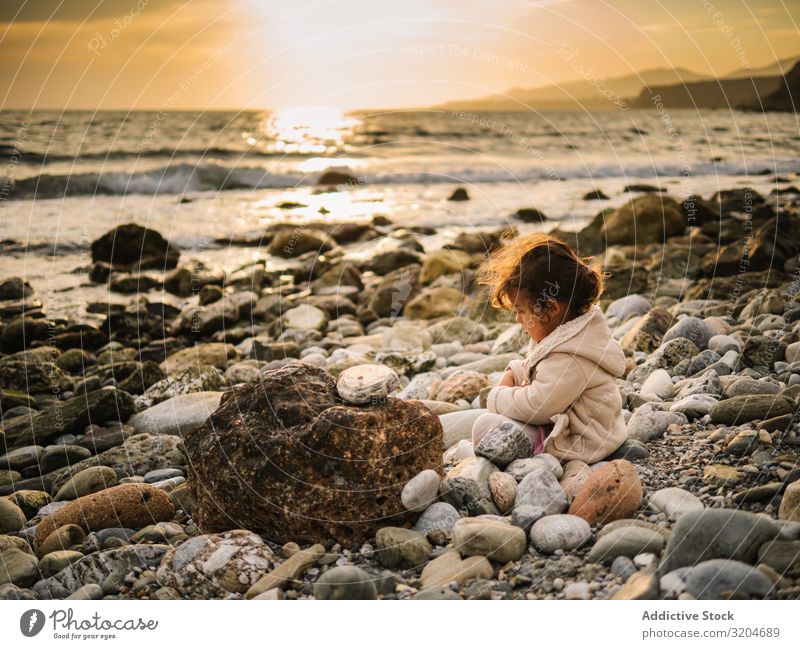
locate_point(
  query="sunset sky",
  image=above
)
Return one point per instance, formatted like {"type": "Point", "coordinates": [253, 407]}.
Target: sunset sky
{"type": "Point", "coordinates": [215, 54]}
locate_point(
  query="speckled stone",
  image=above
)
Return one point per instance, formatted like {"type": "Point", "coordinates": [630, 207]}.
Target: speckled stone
{"type": "Point", "coordinates": [130, 505]}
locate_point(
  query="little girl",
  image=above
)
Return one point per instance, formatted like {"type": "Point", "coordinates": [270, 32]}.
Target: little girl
{"type": "Point", "coordinates": [564, 393]}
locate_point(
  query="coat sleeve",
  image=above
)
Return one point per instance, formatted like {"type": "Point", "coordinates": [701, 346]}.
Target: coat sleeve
{"type": "Point", "coordinates": [516, 368]}
{"type": "Point", "coordinates": [559, 380]}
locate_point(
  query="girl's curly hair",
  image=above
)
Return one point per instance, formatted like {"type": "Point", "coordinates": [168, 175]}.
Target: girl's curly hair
{"type": "Point", "coordinates": [538, 265]}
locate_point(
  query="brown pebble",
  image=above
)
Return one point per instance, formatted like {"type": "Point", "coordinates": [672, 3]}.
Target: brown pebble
{"type": "Point", "coordinates": [612, 492]}
{"type": "Point", "coordinates": [129, 505]}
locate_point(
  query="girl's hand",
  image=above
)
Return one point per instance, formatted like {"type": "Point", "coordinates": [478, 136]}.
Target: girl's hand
{"type": "Point", "coordinates": [507, 380]}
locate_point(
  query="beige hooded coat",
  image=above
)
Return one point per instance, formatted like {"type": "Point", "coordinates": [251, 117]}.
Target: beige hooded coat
{"type": "Point", "coordinates": [569, 379]}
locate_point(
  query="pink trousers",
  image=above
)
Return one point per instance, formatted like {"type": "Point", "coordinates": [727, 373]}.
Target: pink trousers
{"type": "Point", "coordinates": [536, 434]}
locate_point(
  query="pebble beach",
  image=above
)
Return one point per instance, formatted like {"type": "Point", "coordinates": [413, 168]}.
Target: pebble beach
{"type": "Point", "coordinates": [304, 430]}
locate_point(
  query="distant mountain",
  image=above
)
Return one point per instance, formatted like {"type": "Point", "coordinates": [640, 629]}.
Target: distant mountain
{"type": "Point", "coordinates": [583, 93]}
{"type": "Point", "coordinates": [740, 89]}
{"type": "Point", "coordinates": [677, 88]}
{"type": "Point", "coordinates": [777, 69]}
{"type": "Point", "coordinates": [786, 96]}
{"type": "Point", "coordinates": [718, 93]}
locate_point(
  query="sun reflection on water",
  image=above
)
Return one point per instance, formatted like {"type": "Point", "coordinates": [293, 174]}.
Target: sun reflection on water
{"type": "Point", "coordinates": [308, 130]}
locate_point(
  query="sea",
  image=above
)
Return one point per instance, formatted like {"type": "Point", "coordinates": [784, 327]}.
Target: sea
{"type": "Point", "coordinates": [201, 178]}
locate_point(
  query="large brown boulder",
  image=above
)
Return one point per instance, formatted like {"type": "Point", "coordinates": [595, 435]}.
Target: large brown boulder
{"type": "Point", "coordinates": [285, 457]}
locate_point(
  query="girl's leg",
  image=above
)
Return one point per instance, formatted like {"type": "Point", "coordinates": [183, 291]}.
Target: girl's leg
{"type": "Point", "coordinates": [541, 434]}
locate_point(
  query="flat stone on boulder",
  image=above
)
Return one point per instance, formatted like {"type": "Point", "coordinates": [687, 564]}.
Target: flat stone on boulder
{"type": "Point", "coordinates": [366, 383]}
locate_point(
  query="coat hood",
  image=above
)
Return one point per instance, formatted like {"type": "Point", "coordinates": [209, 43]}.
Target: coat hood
{"type": "Point", "coordinates": [588, 336]}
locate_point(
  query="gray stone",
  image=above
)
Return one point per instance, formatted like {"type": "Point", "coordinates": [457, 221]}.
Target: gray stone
{"type": "Point", "coordinates": [625, 541]}
{"type": "Point", "coordinates": [695, 329]}
{"type": "Point", "coordinates": [200, 378]}
{"type": "Point", "coordinates": [12, 592]}
{"type": "Point", "coordinates": [466, 486]}
{"type": "Point", "coordinates": [650, 421]}
{"type": "Point", "coordinates": [504, 444]}
{"type": "Point", "coordinates": [623, 567]}
{"type": "Point", "coordinates": [305, 316]}
{"type": "Point", "coordinates": [439, 516]}
{"type": "Point", "coordinates": [420, 491]}
{"type": "Point", "coordinates": [60, 455]}
{"type": "Point", "coordinates": [55, 561]}
{"type": "Point", "coordinates": [707, 383]}
{"type": "Point", "coordinates": [19, 458]}
{"type": "Point", "coordinates": [624, 307]}
{"type": "Point", "coordinates": [512, 340]}
{"type": "Point", "coordinates": [525, 516]}
{"type": "Point", "coordinates": [763, 351]}
{"type": "Point", "coordinates": [540, 488]}
{"type": "Point", "coordinates": [747, 385]}
{"type": "Point", "coordinates": [722, 343]}
{"type": "Point", "coordinates": [94, 568]}
{"type": "Point", "coordinates": [674, 502]}
{"type": "Point", "coordinates": [520, 468]}
{"type": "Point", "coordinates": [716, 534]}
{"type": "Point", "coordinates": [743, 443]}
{"type": "Point", "coordinates": [694, 406]}
{"type": "Point", "coordinates": [178, 415]}
{"type": "Point", "coordinates": [560, 532]}
{"type": "Point", "coordinates": [345, 582]}
{"type": "Point", "coordinates": [780, 555]}
{"type": "Point", "coordinates": [705, 359]}
{"type": "Point", "coordinates": [726, 579]}
{"type": "Point", "coordinates": [631, 449]}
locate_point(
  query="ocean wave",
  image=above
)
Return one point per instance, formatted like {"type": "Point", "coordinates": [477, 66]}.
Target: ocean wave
{"type": "Point", "coordinates": [40, 157]}
{"type": "Point", "coordinates": [186, 178]}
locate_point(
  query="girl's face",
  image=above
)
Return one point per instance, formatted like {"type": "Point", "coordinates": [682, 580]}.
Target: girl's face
{"type": "Point", "coordinates": [538, 319]}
